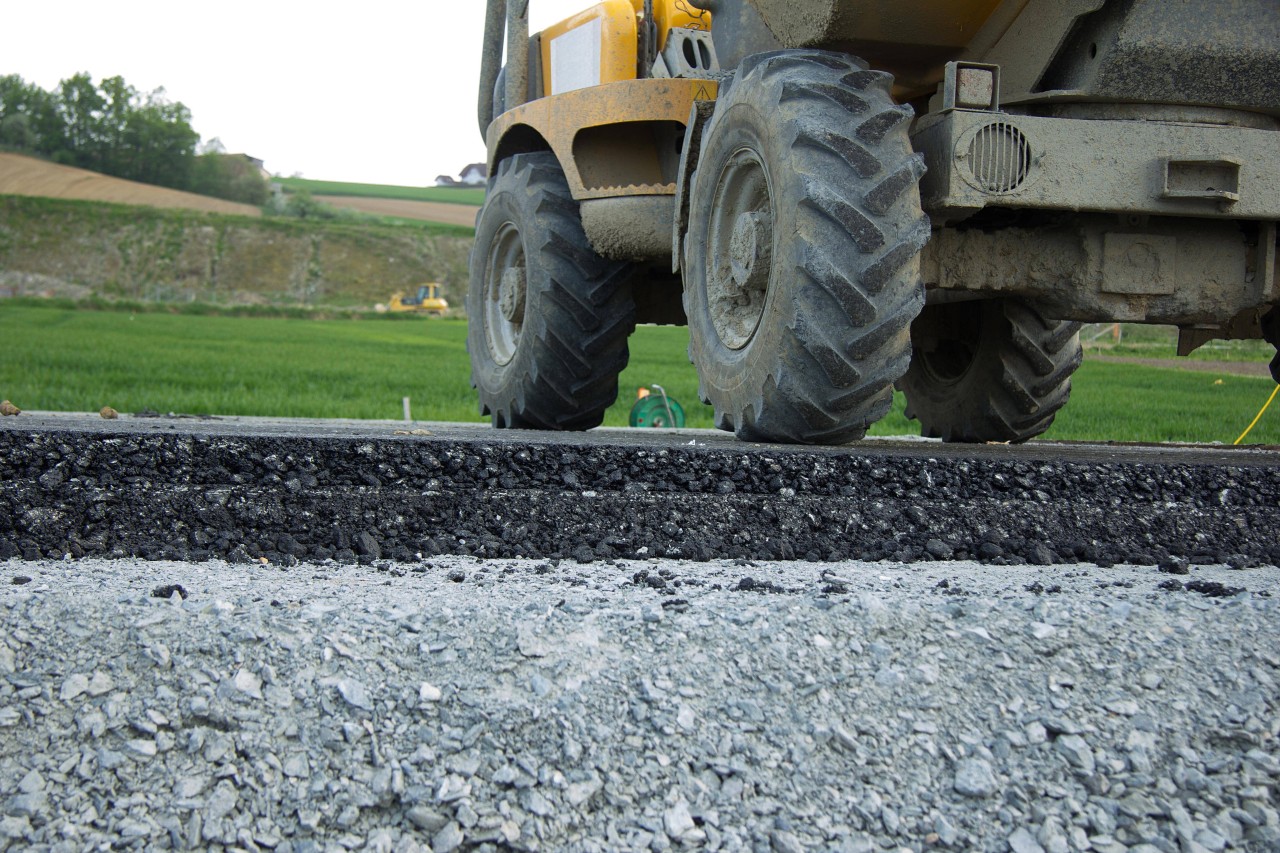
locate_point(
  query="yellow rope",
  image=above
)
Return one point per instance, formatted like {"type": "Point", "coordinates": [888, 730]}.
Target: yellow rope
{"type": "Point", "coordinates": [1259, 417]}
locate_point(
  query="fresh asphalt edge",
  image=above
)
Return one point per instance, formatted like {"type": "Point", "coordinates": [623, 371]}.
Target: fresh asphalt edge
{"type": "Point", "coordinates": [288, 499]}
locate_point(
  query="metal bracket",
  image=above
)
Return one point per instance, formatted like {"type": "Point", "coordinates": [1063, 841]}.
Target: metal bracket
{"type": "Point", "coordinates": [1207, 178]}
{"type": "Point", "coordinates": [971, 86]}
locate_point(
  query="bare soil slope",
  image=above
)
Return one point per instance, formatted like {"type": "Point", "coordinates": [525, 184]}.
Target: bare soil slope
{"type": "Point", "coordinates": [428, 211]}
{"type": "Point", "coordinates": [29, 176]}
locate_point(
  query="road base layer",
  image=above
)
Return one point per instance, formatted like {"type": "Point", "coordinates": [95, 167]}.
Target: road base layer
{"type": "Point", "coordinates": [312, 491]}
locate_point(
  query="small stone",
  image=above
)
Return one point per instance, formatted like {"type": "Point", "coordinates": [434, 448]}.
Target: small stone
{"type": "Point", "coordinates": [14, 828]}
{"type": "Point", "coordinates": [533, 801]}
{"type": "Point", "coordinates": [453, 788]}
{"type": "Point", "coordinates": [29, 805]}
{"type": "Point", "coordinates": [1041, 630]}
{"type": "Point", "coordinates": [677, 820]}
{"type": "Point", "coordinates": [247, 683]}
{"type": "Point", "coordinates": [1175, 566]}
{"type": "Point", "coordinates": [355, 694]}
{"type": "Point", "coordinates": [32, 782]}
{"type": "Point", "coordinates": [1077, 752]}
{"type": "Point", "coordinates": [889, 677]}
{"type": "Point", "coordinates": [427, 819]}
{"type": "Point", "coordinates": [821, 642]}
{"type": "Point", "coordinates": [141, 746]}
{"type": "Point", "coordinates": [580, 792]}
{"type": "Point", "coordinates": [1150, 680]}
{"type": "Point", "coordinates": [429, 693]}
{"type": "Point", "coordinates": [938, 549]}
{"type": "Point", "coordinates": [73, 686]}
{"type": "Point", "coordinates": [1023, 841]}
{"type": "Point", "coordinates": [188, 787]}
{"type": "Point", "coordinates": [99, 683]}
{"type": "Point", "coordinates": [785, 842]}
{"type": "Point", "coordinates": [652, 613]}
{"type": "Point", "coordinates": [448, 839]}
{"type": "Point", "coordinates": [221, 802]}
{"type": "Point", "coordinates": [975, 778]}
{"type": "Point", "coordinates": [530, 644]}
{"type": "Point", "coordinates": [1123, 707]}
{"type": "Point", "coordinates": [296, 766]}
{"type": "Point", "coordinates": [947, 832]}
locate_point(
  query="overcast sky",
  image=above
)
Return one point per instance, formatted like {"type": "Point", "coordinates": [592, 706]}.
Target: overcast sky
{"type": "Point", "coordinates": [381, 91]}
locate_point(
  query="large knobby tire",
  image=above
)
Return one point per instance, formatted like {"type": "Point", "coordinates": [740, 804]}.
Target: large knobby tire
{"type": "Point", "coordinates": [989, 370]}
{"type": "Point", "coordinates": [802, 258]}
{"type": "Point", "coordinates": [549, 318]}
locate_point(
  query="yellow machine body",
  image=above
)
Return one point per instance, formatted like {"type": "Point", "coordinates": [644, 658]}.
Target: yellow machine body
{"type": "Point", "coordinates": [615, 135]}
{"type": "Point", "coordinates": [426, 301]}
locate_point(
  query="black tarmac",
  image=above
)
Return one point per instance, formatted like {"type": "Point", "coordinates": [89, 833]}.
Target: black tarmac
{"type": "Point", "coordinates": [194, 489]}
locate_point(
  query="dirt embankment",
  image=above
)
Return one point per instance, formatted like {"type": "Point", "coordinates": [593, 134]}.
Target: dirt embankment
{"type": "Point", "coordinates": [29, 176]}
{"type": "Point", "coordinates": [77, 249]}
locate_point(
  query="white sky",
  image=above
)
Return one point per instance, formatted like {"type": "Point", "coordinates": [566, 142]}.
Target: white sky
{"type": "Point", "coordinates": [380, 91]}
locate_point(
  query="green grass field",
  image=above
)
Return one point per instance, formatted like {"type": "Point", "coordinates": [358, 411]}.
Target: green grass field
{"type": "Point", "coordinates": [451, 195]}
{"type": "Point", "coordinates": [58, 358]}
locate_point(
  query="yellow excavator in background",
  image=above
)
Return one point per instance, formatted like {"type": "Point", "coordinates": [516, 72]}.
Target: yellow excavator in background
{"type": "Point", "coordinates": [426, 302]}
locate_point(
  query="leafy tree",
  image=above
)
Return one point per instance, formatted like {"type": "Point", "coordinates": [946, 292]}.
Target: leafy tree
{"type": "Point", "coordinates": [109, 127]}
{"type": "Point", "coordinates": [28, 114]}
{"type": "Point", "coordinates": [231, 176]}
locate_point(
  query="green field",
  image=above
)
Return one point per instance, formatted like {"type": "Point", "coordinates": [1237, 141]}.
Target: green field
{"type": "Point", "coordinates": [63, 359]}
{"type": "Point", "coordinates": [451, 195]}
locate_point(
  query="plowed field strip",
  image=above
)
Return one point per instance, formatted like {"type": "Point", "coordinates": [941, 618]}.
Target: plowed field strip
{"type": "Point", "coordinates": [428, 211]}
{"type": "Point", "coordinates": [29, 176]}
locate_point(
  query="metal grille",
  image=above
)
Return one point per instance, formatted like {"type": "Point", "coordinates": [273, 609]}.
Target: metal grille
{"type": "Point", "coordinates": [999, 157]}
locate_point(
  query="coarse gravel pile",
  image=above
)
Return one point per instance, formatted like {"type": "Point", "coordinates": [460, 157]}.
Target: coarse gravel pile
{"type": "Point", "coordinates": [460, 703]}
{"type": "Point", "coordinates": [202, 490]}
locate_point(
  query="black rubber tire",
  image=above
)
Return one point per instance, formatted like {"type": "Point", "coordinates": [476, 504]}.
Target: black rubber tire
{"type": "Point", "coordinates": [841, 207]}
{"type": "Point", "coordinates": [1271, 334]}
{"type": "Point", "coordinates": [989, 370]}
{"type": "Point", "coordinates": [557, 368]}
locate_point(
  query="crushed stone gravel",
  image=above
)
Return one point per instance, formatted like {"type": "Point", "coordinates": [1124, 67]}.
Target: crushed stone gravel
{"type": "Point", "coordinates": [484, 704]}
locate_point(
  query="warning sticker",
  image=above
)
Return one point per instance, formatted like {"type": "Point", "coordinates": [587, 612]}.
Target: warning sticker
{"type": "Point", "coordinates": [575, 58]}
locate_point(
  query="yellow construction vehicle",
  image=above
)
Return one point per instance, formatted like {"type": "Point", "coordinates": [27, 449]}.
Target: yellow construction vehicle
{"type": "Point", "coordinates": [843, 196]}
{"type": "Point", "coordinates": [425, 302]}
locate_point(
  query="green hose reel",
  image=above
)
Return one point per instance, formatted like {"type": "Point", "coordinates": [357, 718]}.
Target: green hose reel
{"type": "Point", "coordinates": [657, 410]}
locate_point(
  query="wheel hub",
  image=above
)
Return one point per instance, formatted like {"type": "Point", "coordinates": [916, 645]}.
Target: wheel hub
{"type": "Point", "coordinates": [739, 250]}
{"type": "Point", "coordinates": [750, 252]}
{"type": "Point", "coordinates": [505, 289]}
{"type": "Point", "coordinates": [511, 295]}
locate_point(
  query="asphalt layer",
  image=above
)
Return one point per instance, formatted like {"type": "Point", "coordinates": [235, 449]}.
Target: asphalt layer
{"type": "Point", "coordinates": [286, 492]}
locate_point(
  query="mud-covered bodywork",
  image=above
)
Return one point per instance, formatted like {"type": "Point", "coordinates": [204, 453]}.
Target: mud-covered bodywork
{"type": "Point", "coordinates": [1077, 161]}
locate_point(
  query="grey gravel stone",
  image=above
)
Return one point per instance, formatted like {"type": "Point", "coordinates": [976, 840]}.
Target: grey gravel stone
{"type": "Point", "coordinates": [1077, 752]}
{"type": "Point", "coordinates": [1023, 841]}
{"type": "Point", "coordinates": [975, 778]}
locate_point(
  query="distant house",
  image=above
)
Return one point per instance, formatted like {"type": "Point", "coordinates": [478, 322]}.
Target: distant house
{"type": "Point", "coordinates": [473, 175]}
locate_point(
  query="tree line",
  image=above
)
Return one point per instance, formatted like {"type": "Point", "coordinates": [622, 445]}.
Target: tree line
{"type": "Point", "coordinates": [111, 127]}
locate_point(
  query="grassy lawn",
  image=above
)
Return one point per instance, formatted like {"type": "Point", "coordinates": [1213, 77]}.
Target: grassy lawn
{"type": "Point", "coordinates": [451, 195]}
{"type": "Point", "coordinates": [62, 359]}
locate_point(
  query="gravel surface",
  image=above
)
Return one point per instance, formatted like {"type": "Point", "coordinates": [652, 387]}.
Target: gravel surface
{"type": "Point", "coordinates": [461, 703]}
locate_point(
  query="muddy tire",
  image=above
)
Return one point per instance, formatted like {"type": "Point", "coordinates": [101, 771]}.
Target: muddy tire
{"type": "Point", "coordinates": [990, 370]}
{"type": "Point", "coordinates": [802, 258]}
{"type": "Point", "coordinates": [549, 318]}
